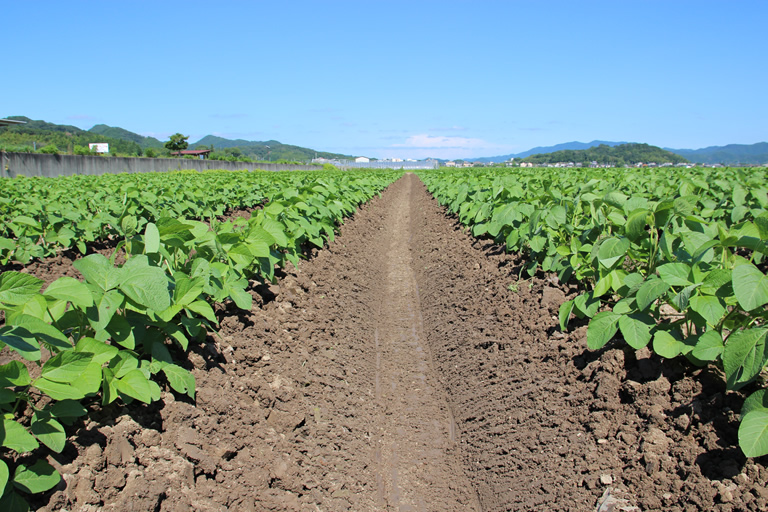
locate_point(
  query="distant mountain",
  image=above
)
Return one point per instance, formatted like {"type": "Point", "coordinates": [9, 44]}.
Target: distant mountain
{"type": "Point", "coordinates": [548, 149]}
{"type": "Point", "coordinates": [37, 134]}
{"type": "Point", "coordinates": [222, 143]}
{"type": "Point", "coordinates": [732, 154]}
{"type": "Point", "coordinates": [619, 155]}
{"type": "Point", "coordinates": [263, 150]}
{"type": "Point", "coordinates": [123, 134]}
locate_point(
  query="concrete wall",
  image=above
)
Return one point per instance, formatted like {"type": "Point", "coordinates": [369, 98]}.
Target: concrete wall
{"type": "Point", "coordinates": [36, 164]}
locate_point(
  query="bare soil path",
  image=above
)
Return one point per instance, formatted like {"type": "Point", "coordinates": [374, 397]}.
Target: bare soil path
{"type": "Point", "coordinates": [415, 443]}
{"type": "Point", "coordinates": [406, 368]}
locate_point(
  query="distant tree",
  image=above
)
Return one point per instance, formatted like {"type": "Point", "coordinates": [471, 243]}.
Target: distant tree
{"type": "Point", "coordinates": [50, 149]}
{"type": "Point", "coordinates": [150, 153]}
{"type": "Point", "coordinates": [234, 151]}
{"type": "Point", "coordinates": [178, 142]}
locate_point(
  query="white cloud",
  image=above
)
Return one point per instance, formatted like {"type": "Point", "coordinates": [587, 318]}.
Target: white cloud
{"type": "Point", "coordinates": [443, 146]}
{"type": "Point", "coordinates": [424, 141]}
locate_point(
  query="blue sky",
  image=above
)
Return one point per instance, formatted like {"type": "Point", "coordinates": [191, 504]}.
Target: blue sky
{"type": "Point", "coordinates": [447, 79]}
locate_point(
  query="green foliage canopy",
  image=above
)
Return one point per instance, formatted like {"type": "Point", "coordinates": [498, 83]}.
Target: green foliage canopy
{"type": "Point", "coordinates": [178, 142]}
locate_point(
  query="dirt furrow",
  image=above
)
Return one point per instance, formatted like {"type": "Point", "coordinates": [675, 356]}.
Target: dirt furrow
{"type": "Point", "coordinates": [415, 442]}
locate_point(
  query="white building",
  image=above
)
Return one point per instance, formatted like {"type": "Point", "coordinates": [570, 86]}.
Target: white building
{"type": "Point", "coordinates": [362, 160]}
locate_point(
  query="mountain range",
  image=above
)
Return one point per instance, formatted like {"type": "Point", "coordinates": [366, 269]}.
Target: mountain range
{"type": "Point", "coordinates": [41, 133]}
{"type": "Point", "coordinates": [36, 134]}
{"type": "Point", "coordinates": [731, 154]}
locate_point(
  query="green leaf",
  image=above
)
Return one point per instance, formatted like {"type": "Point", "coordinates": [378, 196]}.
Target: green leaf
{"type": "Point", "coordinates": [565, 313]}
{"type": "Point", "coordinates": [757, 400]}
{"type": "Point", "coordinates": [151, 238]}
{"type": "Point", "coordinates": [615, 199]}
{"type": "Point", "coordinates": [22, 341]}
{"type": "Point", "coordinates": [109, 390]}
{"type": "Point", "coordinates": [750, 286]}
{"type": "Point", "coordinates": [144, 284]}
{"type": "Point", "coordinates": [675, 274]}
{"type": "Point", "coordinates": [761, 221]}
{"type": "Point", "coordinates": [603, 286]}
{"type": "Point", "coordinates": [601, 329]}
{"type": "Point", "coordinates": [71, 290]}
{"type": "Point", "coordinates": [135, 385]}
{"type": "Point", "coordinates": [104, 308]}
{"type": "Point", "coordinates": [17, 288]}
{"type": "Point", "coordinates": [7, 396]}
{"type": "Point", "coordinates": [537, 243]}
{"type": "Point", "coordinates": [259, 236]}
{"type": "Point", "coordinates": [239, 296]}
{"type": "Point", "coordinates": [586, 304]}
{"type": "Point", "coordinates": [187, 290]}
{"type": "Point", "coordinates": [170, 226]}
{"type": "Point", "coordinates": [612, 251]}
{"type": "Point", "coordinates": [666, 345]}
{"type": "Point", "coordinates": [744, 356]}
{"type": "Point", "coordinates": [636, 329]}
{"type": "Point", "coordinates": [651, 290]}
{"type": "Point", "coordinates": [4, 474]}
{"type": "Point", "coordinates": [58, 390]}
{"type": "Point", "coordinates": [43, 332]}
{"type": "Point", "coordinates": [277, 230]}
{"type": "Point", "coordinates": [175, 332]}
{"type": "Point", "coordinates": [100, 350]}
{"type": "Point", "coordinates": [49, 431]}
{"type": "Point", "coordinates": [129, 224]}
{"type": "Point", "coordinates": [630, 284]}
{"type": "Point", "coordinates": [66, 366]}
{"type": "Point", "coordinates": [204, 309]}
{"type": "Point", "coordinates": [715, 281]}
{"type": "Point", "coordinates": [636, 222]}
{"type": "Point", "coordinates": [616, 218]}
{"type": "Point", "coordinates": [68, 409]}
{"type": "Point", "coordinates": [14, 436]}
{"type": "Point", "coordinates": [13, 502]}
{"type": "Point", "coordinates": [39, 477]}
{"type": "Point", "coordinates": [556, 217]}
{"type": "Point", "coordinates": [709, 308]}
{"type": "Point", "coordinates": [181, 380]}
{"type": "Point", "coordinates": [97, 270]}
{"type": "Point", "coordinates": [753, 433]}
{"type": "Point", "coordinates": [123, 332]}
{"type": "Point", "coordinates": [14, 373]}
{"type": "Point", "coordinates": [90, 381]}
{"type": "Point", "coordinates": [709, 346]}
{"type": "Point", "coordinates": [680, 301]}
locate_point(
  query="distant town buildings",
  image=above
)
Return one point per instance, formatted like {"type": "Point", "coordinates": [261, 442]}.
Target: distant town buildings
{"type": "Point", "coordinates": [391, 163]}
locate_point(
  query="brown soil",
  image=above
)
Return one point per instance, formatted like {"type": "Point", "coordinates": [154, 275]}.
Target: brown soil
{"type": "Point", "coordinates": [399, 370]}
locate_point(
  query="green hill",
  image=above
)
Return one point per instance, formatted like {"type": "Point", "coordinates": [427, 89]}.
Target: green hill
{"type": "Point", "coordinates": [623, 154]}
{"type": "Point", "coordinates": [123, 134]}
{"type": "Point", "coordinates": [38, 134]}
{"type": "Point", "coordinates": [261, 150]}
{"type": "Point", "coordinates": [732, 154]}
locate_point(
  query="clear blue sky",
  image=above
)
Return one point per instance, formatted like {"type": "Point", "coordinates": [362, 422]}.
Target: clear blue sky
{"type": "Point", "coordinates": [447, 78]}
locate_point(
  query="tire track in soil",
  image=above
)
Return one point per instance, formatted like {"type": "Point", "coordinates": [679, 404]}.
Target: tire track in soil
{"type": "Point", "coordinates": [415, 443]}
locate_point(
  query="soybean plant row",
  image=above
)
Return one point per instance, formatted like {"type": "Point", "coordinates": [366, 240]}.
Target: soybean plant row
{"type": "Point", "coordinates": [120, 333]}
{"type": "Point", "coordinates": [672, 259]}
